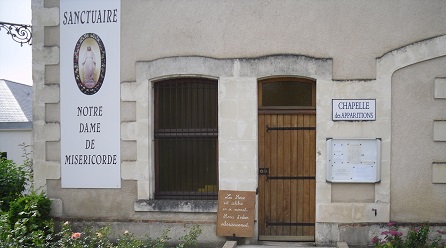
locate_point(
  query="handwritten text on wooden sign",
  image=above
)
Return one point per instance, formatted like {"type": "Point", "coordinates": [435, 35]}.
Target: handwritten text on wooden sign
{"type": "Point", "coordinates": [235, 216]}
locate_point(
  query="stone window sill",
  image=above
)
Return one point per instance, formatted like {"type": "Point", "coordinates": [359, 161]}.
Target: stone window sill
{"type": "Point", "coordinates": [188, 206]}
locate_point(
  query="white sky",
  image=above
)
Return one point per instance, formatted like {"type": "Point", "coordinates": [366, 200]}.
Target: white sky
{"type": "Point", "coordinates": [15, 61]}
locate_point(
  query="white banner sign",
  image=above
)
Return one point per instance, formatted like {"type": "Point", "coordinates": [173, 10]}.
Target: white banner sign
{"type": "Point", "coordinates": [353, 110]}
{"type": "Point", "coordinates": [90, 93]}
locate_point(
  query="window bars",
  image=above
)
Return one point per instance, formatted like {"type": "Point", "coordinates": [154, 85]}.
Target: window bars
{"type": "Point", "coordinates": [186, 138]}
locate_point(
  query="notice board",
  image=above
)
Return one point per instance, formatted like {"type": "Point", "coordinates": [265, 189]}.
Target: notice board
{"type": "Point", "coordinates": [235, 215]}
{"type": "Point", "coordinates": [353, 160]}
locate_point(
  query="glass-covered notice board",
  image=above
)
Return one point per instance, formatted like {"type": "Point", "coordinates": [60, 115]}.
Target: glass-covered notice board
{"type": "Point", "coordinates": [353, 160]}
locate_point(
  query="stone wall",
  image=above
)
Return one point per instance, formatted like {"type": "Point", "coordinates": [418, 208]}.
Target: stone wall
{"type": "Point", "coordinates": [239, 43]}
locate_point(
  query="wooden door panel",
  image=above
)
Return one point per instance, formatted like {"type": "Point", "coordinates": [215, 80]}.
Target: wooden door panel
{"type": "Point", "coordinates": [286, 200]}
{"type": "Point", "coordinates": [261, 147]}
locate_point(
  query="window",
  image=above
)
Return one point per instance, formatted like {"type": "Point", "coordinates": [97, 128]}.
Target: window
{"type": "Point", "coordinates": [287, 93]}
{"type": "Point", "coordinates": [186, 137]}
{"type": "Point", "coordinates": [3, 155]}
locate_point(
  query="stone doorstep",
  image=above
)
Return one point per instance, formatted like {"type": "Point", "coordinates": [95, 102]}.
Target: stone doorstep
{"type": "Point", "coordinates": [233, 244]}
{"type": "Point", "coordinates": [341, 245]}
{"type": "Point", "coordinates": [230, 244]}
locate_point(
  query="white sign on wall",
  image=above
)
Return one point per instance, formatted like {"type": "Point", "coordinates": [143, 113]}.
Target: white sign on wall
{"type": "Point", "coordinates": [90, 93]}
{"type": "Point", "coordinates": [353, 160]}
{"type": "Point", "coordinates": [353, 109]}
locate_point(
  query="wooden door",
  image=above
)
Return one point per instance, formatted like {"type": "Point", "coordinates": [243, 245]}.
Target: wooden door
{"type": "Point", "coordinates": [287, 170]}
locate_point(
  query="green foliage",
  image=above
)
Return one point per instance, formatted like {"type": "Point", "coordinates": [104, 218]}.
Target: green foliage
{"type": "Point", "coordinates": [28, 164]}
{"type": "Point", "coordinates": [4, 228]}
{"type": "Point", "coordinates": [88, 238]}
{"type": "Point", "coordinates": [27, 224]}
{"type": "Point", "coordinates": [25, 218]}
{"type": "Point", "coordinates": [417, 237]}
{"type": "Point", "coordinates": [190, 238]}
{"type": "Point", "coordinates": [35, 207]}
{"type": "Point", "coordinates": [12, 182]}
{"type": "Point", "coordinates": [159, 242]}
{"type": "Point", "coordinates": [128, 240]}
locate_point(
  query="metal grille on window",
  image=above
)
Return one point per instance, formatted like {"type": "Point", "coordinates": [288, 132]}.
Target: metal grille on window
{"type": "Point", "coordinates": [186, 137]}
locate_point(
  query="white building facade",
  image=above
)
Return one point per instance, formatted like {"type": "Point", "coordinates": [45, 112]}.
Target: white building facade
{"type": "Point", "coordinates": [242, 96]}
{"type": "Point", "coordinates": [16, 135]}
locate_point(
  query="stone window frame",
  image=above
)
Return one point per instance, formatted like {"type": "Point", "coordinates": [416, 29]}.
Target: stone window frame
{"type": "Point", "coordinates": [141, 92]}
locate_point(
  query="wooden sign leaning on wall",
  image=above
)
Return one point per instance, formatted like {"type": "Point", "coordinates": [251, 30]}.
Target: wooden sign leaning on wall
{"type": "Point", "coordinates": [236, 213]}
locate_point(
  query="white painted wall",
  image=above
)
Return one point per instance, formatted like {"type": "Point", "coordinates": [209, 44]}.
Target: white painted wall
{"type": "Point", "coordinates": [10, 141]}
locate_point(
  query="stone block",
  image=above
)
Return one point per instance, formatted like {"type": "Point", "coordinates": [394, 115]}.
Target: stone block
{"type": "Point", "coordinates": [143, 189]}
{"type": "Point", "coordinates": [440, 88]}
{"type": "Point", "coordinates": [52, 132]}
{"type": "Point", "coordinates": [359, 193]}
{"type": "Point", "coordinates": [227, 184]}
{"type": "Point", "coordinates": [237, 150]}
{"type": "Point", "coordinates": [37, 3]}
{"type": "Point", "coordinates": [352, 212]}
{"type": "Point", "coordinates": [440, 130]}
{"type": "Point", "coordinates": [52, 112]}
{"type": "Point", "coordinates": [129, 130]}
{"type": "Point", "coordinates": [52, 36]}
{"type": "Point", "coordinates": [237, 129]}
{"type": "Point", "coordinates": [333, 212]}
{"type": "Point", "coordinates": [247, 185]}
{"type": "Point", "coordinates": [50, 94]}
{"type": "Point", "coordinates": [237, 88]}
{"type": "Point", "coordinates": [52, 150]}
{"type": "Point", "coordinates": [128, 150]}
{"type": "Point", "coordinates": [230, 244]}
{"type": "Point", "coordinates": [127, 91]}
{"type": "Point", "coordinates": [228, 109]}
{"type": "Point", "coordinates": [327, 233]}
{"type": "Point", "coordinates": [244, 169]}
{"type": "Point", "coordinates": [128, 111]}
{"type": "Point", "coordinates": [247, 108]}
{"type": "Point", "coordinates": [183, 66]}
{"type": "Point", "coordinates": [56, 207]}
{"type": "Point", "coordinates": [286, 65]}
{"type": "Point", "coordinates": [46, 55]}
{"type": "Point", "coordinates": [132, 170]}
{"type": "Point", "coordinates": [354, 234]}
{"type": "Point", "coordinates": [341, 245]}
{"type": "Point", "coordinates": [439, 172]}
{"type": "Point", "coordinates": [323, 193]}
{"type": "Point", "coordinates": [46, 16]}
{"type": "Point", "coordinates": [52, 74]}
{"type": "Point", "coordinates": [46, 170]}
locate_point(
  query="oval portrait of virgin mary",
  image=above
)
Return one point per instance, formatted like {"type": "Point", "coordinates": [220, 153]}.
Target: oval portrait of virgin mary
{"type": "Point", "coordinates": [89, 63]}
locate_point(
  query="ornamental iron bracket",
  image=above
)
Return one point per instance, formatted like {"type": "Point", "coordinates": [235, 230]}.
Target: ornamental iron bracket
{"type": "Point", "coordinates": [20, 33]}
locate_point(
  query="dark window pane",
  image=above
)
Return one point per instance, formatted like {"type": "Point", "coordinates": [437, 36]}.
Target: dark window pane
{"type": "Point", "coordinates": [187, 166]}
{"type": "Point", "coordinates": [184, 104]}
{"type": "Point", "coordinates": [186, 139]}
{"type": "Point", "coordinates": [287, 93]}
